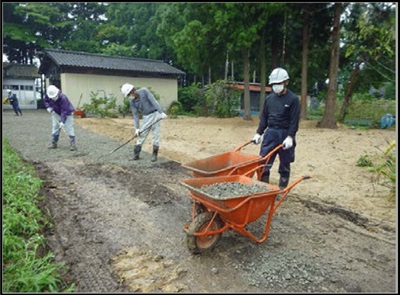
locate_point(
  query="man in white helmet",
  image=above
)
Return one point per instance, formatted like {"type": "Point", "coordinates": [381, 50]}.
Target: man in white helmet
{"type": "Point", "coordinates": [279, 122]}
{"type": "Point", "coordinates": [143, 101]}
{"type": "Point", "coordinates": [62, 113]}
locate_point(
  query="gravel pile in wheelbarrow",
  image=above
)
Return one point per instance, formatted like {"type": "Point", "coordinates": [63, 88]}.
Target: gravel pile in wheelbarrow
{"type": "Point", "coordinates": [228, 190]}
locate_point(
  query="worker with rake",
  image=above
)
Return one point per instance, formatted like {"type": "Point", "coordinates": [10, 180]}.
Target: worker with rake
{"type": "Point", "coordinates": [143, 101]}
{"type": "Point", "coordinates": [279, 122]}
{"type": "Point", "coordinates": [62, 113]}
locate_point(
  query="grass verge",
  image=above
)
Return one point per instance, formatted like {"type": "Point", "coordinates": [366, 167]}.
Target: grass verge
{"type": "Point", "coordinates": [24, 268]}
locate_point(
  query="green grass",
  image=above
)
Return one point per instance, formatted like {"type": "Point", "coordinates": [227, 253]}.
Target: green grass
{"type": "Point", "coordinates": [383, 166]}
{"type": "Point", "coordinates": [24, 270]}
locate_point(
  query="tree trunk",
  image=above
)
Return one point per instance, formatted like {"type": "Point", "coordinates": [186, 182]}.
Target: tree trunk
{"type": "Point", "coordinates": [304, 62]}
{"type": "Point", "coordinates": [328, 121]}
{"type": "Point", "coordinates": [275, 44]}
{"type": "Point", "coordinates": [226, 66]}
{"type": "Point", "coordinates": [246, 75]}
{"type": "Point", "coordinates": [349, 91]}
{"type": "Point", "coordinates": [263, 72]}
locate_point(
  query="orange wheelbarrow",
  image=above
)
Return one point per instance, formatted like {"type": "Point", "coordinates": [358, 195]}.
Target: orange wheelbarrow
{"type": "Point", "coordinates": [229, 163]}
{"type": "Point", "coordinates": [211, 215]}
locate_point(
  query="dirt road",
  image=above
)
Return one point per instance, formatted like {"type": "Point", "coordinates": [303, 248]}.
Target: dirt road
{"type": "Point", "coordinates": [118, 225]}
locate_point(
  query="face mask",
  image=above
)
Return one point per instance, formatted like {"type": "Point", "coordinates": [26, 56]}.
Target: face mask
{"type": "Point", "coordinates": [277, 88]}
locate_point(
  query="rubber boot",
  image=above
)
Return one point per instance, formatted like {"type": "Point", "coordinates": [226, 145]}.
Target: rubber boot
{"type": "Point", "coordinates": [265, 178]}
{"type": "Point", "coordinates": [53, 145]}
{"type": "Point", "coordinates": [136, 152]}
{"type": "Point", "coordinates": [72, 146]}
{"type": "Point", "coordinates": [54, 141]}
{"type": "Point", "coordinates": [155, 153]}
{"type": "Point", "coordinates": [283, 183]}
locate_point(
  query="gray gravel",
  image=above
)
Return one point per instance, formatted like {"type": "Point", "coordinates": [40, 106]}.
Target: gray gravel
{"type": "Point", "coordinates": [229, 190]}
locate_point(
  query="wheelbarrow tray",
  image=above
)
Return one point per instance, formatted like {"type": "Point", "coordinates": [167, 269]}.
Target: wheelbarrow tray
{"type": "Point", "coordinates": [223, 164]}
{"type": "Point", "coordinates": [239, 209]}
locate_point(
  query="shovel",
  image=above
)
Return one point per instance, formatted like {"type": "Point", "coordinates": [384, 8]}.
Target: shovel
{"type": "Point", "coordinates": [129, 140]}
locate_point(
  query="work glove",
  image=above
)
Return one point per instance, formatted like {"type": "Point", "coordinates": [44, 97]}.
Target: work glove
{"type": "Point", "coordinates": [163, 115]}
{"type": "Point", "coordinates": [137, 132]}
{"type": "Point", "coordinates": [61, 125]}
{"type": "Point", "coordinates": [287, 143]}
{"type": "Point", "coordinates": [256, 139]}
{"type": "Point", "coordinates": [50, 110]}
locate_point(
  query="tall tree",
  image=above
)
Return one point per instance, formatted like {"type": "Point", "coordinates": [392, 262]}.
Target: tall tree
{"type": "Point", "coordinates": [369, 36]}
{"type": "Point", "coordinates": [328, 121]}
{"type": "Point", "coordinates": [30, 27]}
{"type": "Point", "coordinates": [304, 61]}
{"type": "Point", "coordinates": [248, 22]}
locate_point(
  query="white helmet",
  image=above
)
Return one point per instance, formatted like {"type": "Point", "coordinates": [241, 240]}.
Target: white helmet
{"type": "Point", "coordinates": [52, 91]}
{"type": "Point", "coordinates": [126, 89]}
{"type": "Point", "coordinates": [277, 76]}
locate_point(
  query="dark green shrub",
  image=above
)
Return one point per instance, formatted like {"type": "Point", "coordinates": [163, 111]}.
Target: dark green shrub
{"type": "Point", "coordinates": [175, 109]}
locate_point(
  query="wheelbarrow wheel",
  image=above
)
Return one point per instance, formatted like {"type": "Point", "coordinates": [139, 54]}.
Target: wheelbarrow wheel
{"type": "Point", "coordinates": [199, 208]}
{"type": "Point", "coordinates": [199, 244]}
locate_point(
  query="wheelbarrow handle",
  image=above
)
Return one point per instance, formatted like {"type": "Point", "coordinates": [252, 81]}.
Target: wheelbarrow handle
{"type": "Point", "coordinates": [266, 157]}
{"type": "Point", "coordinates": [242, 146]}
{"type": "Point", "coordinates": [286, 190]}
{"type": "Point", "coordinates": [263, 159]}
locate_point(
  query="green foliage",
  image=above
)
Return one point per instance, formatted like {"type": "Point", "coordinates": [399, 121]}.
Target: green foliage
{"type": "Point", "coordinates": [23, 223]}
{"type": "Point", "coordinates": [104, 106]}
{"type": "Point", "coordinates": [217, 100]}
{"type": "Point", "coordinates": [175, 109]}
{"type": "Point", "coordinates": [224, 100]}
{"type": "Point", "coordinates": [390, 91]}
{"type": "Point", "coordinates": [384, 168]}
{"type": "Point", "coordinates": [191, 97]}
{"type": "Point", "coordinates": [369, 111]}
{"type": "Point", "coordinates": [364, 161]}
{"type": "Point", "coordinates": [125, 108]}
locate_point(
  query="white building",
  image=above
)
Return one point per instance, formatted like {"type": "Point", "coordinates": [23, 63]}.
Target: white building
{"type": "Point", "coordinates": [78, 74]}
{"type": "Point", "coordinates": [23, 80]}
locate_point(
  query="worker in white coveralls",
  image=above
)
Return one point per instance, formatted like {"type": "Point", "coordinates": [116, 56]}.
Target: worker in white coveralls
{"type": "Point", "coordinates": [144, 102]}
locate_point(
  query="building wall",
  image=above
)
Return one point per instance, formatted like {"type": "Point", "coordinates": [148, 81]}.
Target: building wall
{"type": "Point", "coordinates": [24, 89]}
{"type": "Point", "coordinates": [75, 85]}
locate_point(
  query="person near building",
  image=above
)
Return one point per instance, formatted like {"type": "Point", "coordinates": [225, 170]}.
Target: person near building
{"type": "Point", "coordinates": [279, 123]}
{"type": "Point", "coordinates": [13, 100]}
{"type": "Point", "coordinates": [62, 114]}
{"type": "Point", "coordinates": [143, 101]}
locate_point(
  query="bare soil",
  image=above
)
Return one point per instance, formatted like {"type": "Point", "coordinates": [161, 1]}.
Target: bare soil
{"type": "Point", "coordinates": [118, 223]}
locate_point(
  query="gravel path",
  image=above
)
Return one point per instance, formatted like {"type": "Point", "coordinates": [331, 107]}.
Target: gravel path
{"type": "Point", "coordinates": [119, 227]}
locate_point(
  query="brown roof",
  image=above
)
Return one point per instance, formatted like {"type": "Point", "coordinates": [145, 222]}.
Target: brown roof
{"type": "Point", "coordinates": [252, 87]}
{"type": "Point", "coordinates": [13, 70]}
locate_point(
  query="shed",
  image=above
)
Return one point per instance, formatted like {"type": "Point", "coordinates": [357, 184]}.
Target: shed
{"type": "Point", "coordinates": [79, 74]}
{"type": "Point", "coordinates": [22, 80]}
{"type": "Point", "coordinates": [255, 89]}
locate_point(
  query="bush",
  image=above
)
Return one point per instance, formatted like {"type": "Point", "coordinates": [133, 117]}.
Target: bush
{"type": "Point", "coordinates": [384, 166]}
{"type": "Point", "coordinates": [104, 106]}
{"type": "Point", "coordinates": [224, 100]}
{"type": "Point", "coordinates": [191, 98]}
{"type": "Point", "coordinates": [175, 109]}
{"type": "Point", "coordinates": [125, 108]}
